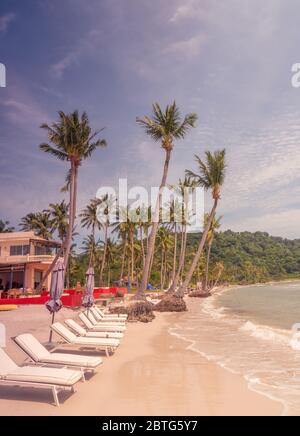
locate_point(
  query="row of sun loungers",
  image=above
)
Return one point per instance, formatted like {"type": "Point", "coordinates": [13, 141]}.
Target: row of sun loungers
{"type": "Point", "coordinates": [58, 371]}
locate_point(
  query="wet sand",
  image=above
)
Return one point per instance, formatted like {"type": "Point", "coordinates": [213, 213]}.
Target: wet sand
{"type": "Point", "coordinates": [152, 373]}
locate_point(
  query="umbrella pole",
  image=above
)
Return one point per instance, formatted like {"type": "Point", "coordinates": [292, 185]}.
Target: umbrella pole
{"type": "Point", "coordinates": [51, 332]}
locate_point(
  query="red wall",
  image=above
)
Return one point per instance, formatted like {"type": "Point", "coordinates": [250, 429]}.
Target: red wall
{"type": "Point", "coordinates": [72, 300]}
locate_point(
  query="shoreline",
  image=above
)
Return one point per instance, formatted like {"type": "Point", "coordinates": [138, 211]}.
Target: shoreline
{"type": "Point", "coordinates": [152, 373]}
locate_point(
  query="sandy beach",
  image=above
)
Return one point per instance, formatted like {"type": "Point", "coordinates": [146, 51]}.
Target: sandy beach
{"type": "Point", "coordinates": [151, 374]}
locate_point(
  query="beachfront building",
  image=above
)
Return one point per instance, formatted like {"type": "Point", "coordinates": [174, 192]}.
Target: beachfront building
{"type": "Point", "coordinates": [24, 258]}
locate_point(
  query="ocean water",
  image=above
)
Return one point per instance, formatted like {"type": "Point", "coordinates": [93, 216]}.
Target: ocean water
{"type": "Point", "coordinates": [249, 331]}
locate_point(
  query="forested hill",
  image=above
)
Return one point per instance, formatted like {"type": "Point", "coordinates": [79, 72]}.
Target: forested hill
{"type": "Point", "coordinates": [253, 257]}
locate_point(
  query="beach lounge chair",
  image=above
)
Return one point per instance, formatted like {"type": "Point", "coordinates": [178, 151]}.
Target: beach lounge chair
{"type": "Point", "coordinates": [100, 316]}
{"type": "Point", "coordinates": [80, 331]}
{"type": "Point", "coordinates": [108, 345]}
{"type": "Point", "coordinates": [102, 328]}
{"type": "Point", "coordinates": [93, 320]}
{"type": "Point", "coordinates": [41, 356]}
{"type": "Point", "coordinates": [37, 377]}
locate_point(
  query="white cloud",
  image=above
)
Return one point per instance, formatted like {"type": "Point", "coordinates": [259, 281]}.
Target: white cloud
{"type": "Point", "coordinates": [189, 47]}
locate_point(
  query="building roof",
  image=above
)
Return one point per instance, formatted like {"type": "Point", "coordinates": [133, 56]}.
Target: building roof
{"type": "Point", "coordinates": [15, 236]}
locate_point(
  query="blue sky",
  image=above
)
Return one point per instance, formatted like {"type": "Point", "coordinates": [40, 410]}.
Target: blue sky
{"type": "Point", "coordinates": [228, 61]}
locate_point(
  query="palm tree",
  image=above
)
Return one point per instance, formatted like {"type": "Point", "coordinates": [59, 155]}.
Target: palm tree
{"type": "Point", "coordinates": [184, 186]}
{"type": "Point", "coordinates": [211, 177]}
{"type": "Point", "coordinates": [71, 140]}
{"type": "Point", "coordinates": [143, 218]}
{"type": "Point", "coordinates": [175, 212]}
{"type": "Point", "coordinates": [215, 225]}
{"type": "Point", "coordinates": [164, 244]}
{"type": "Point", "coordinates": [89, 219]}
{"type": "Point", "coordinates": [59, 218]}
{"type": "Point", "coordinates": [90, 247]}
{"type": "Point", "coordinates": [104, 205]}
{"type": "Point", "coordinates": [164, 127]}
{"type": "Point", "coordinates": [4, 227]}
{"type": "Point", "coordinates": [219, 269]}
{"type": "Point", "coordinates": [110, 258]}
{"type": "Point", "coordinates": [40, 223]}
{"type": "Point", "coordinates": [121, 228]}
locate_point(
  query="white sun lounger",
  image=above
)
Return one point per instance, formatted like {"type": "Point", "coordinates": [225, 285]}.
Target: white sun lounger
{"type": "Point", "coordinates": [41, 356]}
{"type": "Point", "coordinates": [93, 320]}
{"type": "Point", "coordinates": [80, 331]}
{"type": "Point", "coordinates": [109, 345]}
{"type": "Point", "coordinates": [36, 377]}
{"type": "Point", "coordinates": [101, 316]}
{"type": "Point", "coordinates": [100, 328]}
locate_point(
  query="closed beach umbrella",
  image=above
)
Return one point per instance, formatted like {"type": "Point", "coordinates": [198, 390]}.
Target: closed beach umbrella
{"type": "Point", "coordinates": [88, 300]}
{"type": "Point", "coordinates": [57, 288]}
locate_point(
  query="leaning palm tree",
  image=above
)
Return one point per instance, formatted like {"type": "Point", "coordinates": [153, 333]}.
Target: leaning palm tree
{"type": "Point", "coordinates": [211, 176]}
{"type": "Point", "coordinates": [5, 227]}
{"type": "Point", "coordinates": [71, 140]}
{"type": "Point", "coordinates": [164, 127]}
{"type": "Point", "coordinates": [215, 225]}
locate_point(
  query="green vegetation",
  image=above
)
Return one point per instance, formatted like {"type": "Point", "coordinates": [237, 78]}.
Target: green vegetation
{"type": "Point", "coordinates": [253, 257]}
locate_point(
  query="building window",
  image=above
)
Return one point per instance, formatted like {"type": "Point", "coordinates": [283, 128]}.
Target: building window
{"type": "Point", "coordinates": [19, 250]}
{"type": "Point", "coordinates": [40, 250]}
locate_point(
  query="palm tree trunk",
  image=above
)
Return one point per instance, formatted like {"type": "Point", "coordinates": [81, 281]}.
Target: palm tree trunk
{"type": "Point", "coordinates": [165, 269]}
{"type": "Point", "coordinates": [66, 246]}
{"type": "Point", "coordinates": [150, 269]}
{"type": "Point", "coordinates": [207, 267]}
{"type": "Point", "coordinates": [132, 256]}
{"type": "Point", "coordinates": [142, 245]}
{"type": "Point", "coordinates": [155, 224]}
{"type": "Point", "coordinates": [182, 289]}
{"type": "Point", "coordinates": [175, 254]}
{"type": "Point", "coordinates": [104, 254]}
{"type": "Point", "coordinates": [108, 276]}
{"type": "Point", "coordinates": [181, 261]}
{"type": "Point", "coordinates": [123, 260]}
{"type": "Point", "coordinates": [161, 270]}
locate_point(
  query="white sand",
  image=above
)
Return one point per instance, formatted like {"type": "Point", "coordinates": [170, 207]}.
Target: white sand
{"type": "Point", "coordinates": [151, 374]}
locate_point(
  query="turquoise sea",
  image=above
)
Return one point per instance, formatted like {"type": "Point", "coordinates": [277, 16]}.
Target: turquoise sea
{"type": "Point", "coordinates": [251, 331]}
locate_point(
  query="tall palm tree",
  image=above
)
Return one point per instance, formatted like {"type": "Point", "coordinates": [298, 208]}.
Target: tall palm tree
{"type": "Point", "coordinates": [164, 127]}
{"type": "Point", "coordinates": [215, 225]}
{"type": "Point", "coordinates": [89, 219]}
{"type": "Point", "coordinates": [211, 176]}
{"type": "Point", "coordinates": [59, 218]}
{"type": "Point", "coordinates": [5, 227]}
{"type": "Point", "coordinates": [40, 223]}
{"type": "Point", "coordinates": [71, 140]}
